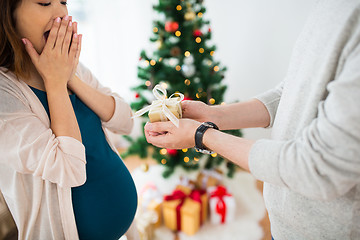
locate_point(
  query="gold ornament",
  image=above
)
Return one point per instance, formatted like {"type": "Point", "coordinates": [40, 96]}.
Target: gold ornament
{"type": "Point", "coordinates": [144, 167]}
{"type": "Point", "coordinates": [189, 16]}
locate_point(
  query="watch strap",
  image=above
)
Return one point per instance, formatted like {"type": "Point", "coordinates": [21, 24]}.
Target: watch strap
{"type": "Point", "coordinates": [199, 134]}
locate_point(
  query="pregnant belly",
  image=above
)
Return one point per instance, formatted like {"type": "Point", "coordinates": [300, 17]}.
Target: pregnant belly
{"type": "Point", "coordinates": [105, 206]}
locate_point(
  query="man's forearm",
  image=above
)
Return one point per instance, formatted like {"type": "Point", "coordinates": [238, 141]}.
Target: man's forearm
{"type": "Point", "coordinates": [248, 114]}
{"type": "Point", "coordinates": [233, 148]}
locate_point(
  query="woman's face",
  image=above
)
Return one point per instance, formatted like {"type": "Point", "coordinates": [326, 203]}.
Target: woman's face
{"type": "Point", "coordinates": [34, 19]}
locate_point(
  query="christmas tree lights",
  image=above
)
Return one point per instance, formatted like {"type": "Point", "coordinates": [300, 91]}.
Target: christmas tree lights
{"type": "Point", "coordinates": [183, 61]}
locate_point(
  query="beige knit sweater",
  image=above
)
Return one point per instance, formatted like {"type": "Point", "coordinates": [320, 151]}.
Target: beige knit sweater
{"type": "Point", "coordinates": [311, 166]}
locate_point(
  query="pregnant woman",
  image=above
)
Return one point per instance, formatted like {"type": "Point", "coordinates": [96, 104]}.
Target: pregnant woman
{"type": "Point", "coordinates": [60, 175]}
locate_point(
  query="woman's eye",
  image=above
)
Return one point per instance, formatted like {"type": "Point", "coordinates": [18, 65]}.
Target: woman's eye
{"type": "Point", "coordinates": [64, 3]}
{"type": "Point", "coordinates": [44, 4]}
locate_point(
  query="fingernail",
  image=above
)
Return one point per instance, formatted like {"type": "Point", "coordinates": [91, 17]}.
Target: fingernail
{"type": "Point", "coordinates": [75, 35]}
{"type": "Point", "coordinates": [23, 40]}
{"type": "Point", "coordinates": [57, 19]}
{"type": "Point", "coordinates": [66, 18]}
{"type": "Point", "coordinates": [70, 23]}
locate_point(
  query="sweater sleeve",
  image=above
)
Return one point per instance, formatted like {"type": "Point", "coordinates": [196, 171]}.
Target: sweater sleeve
{"type": "Point", "coordinates": [271, 101]}
{"type": "Point", "coordinates": [324, 161]}
{"type": "Point", "coordinates": [29, 146]}
{"type": "Point", "coordinates": [121, 121]}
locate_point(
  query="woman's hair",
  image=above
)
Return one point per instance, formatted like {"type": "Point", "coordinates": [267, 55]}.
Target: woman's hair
{"type": "Point", "coordinates": [12, 51]}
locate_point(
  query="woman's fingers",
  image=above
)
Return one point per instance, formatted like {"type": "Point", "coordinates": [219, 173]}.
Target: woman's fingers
{"type": "Point", "coordinates": [74, 46]}
{"type": "Point", "coordinates": [75, 27]}
{"type": "Point", "coordinates": [77, 56]}
{"type": "Point", "coordinates": [61, 33]}
{"type": "Point", "coordinates": [74, 52]}
{"type": "Point", "coordinates": [53, 35]}
{"type": "Point", "coordinates": [67, 39]}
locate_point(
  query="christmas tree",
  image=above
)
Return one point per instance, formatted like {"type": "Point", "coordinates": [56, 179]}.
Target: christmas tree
{"type": "Point", "coordinates": [182, 62]}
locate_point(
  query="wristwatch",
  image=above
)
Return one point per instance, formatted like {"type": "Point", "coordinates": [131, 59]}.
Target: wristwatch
{"type": "Point", "coordinates": [199, 134]}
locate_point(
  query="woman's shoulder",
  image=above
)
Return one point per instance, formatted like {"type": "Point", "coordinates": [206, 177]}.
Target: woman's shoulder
{"type": "Point", "coordinates": [8, 80]}
{"type": "Point", "coordinates": [10, 91]}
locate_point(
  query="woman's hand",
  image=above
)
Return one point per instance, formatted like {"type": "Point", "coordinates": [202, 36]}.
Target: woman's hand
{"type": "Point", "coordinates": [167, 135]}
{"type": "Point", "coordinates": [58, 61]}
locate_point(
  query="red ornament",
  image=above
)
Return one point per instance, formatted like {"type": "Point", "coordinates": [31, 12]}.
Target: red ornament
{"type": "Point", "coordinates": [171, 152]}
{"type": "Point", "coordinates": [140, 58]}
{"type": "Point", "coordinates": [209, 30]}
{"type": "Point", "coordinates": [171, 26]}
{"type": "Point", "coordinates": [197, 33]}
{"type": "Point", "coordinates": [137, 95]}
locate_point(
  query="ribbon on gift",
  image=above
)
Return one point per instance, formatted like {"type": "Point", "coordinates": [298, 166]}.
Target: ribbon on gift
{"type": "Point", "coordinates": [180, 195]}
{"type": "Point", "coordinates": [160, 94]}
{"type": "Point", "coordinates": [177, 195]}
{"type": "Point", "coordinates": [220, 192]}
{"type": "Point", "coordinates": [196, 196]}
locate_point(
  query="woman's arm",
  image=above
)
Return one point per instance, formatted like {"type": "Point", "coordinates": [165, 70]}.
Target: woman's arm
{"type": "Point", "coordinates": [103, 105]}
{"type": "Point", "coordinates": [115, 116]}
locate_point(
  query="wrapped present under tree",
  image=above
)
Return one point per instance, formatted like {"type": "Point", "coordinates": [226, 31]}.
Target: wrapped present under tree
{"type": "Point", "coordinates": [185, 212]}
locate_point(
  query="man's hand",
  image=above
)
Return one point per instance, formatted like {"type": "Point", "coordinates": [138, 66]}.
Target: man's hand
{"type": "Point", "coordinates": [167, 135]}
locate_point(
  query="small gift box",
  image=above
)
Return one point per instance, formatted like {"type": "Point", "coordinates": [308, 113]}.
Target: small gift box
{"type": "Point", "coordinates": [151, 199]}
{"type": "Point", "coordinates": [157, 113]}
{"type": "Point", "coordinates": [222, 206]}
{"type": "Point", "coordinates": [163, 109]}
{"type": "Point", "coordinates": [209, 178]}
{"type": "Point", "coordinates": [184, 212]}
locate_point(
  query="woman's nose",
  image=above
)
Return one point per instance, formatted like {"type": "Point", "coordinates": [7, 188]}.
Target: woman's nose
{"type": "Point", "coordinates": [59, 10]}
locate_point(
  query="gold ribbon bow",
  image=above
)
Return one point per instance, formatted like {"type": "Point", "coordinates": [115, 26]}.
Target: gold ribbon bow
{"type": "Point", "coordinates": [160, 94]}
